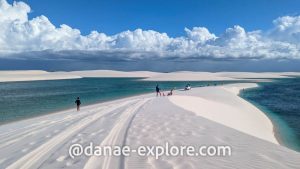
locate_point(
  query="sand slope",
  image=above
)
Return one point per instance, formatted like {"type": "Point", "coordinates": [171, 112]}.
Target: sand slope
{"type": "Point", "coordinates": [218, 105]}
{"type": "Point", "coordinates": [150, 127]}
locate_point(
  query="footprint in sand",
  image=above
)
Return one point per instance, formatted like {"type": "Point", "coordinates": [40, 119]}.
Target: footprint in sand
{"type": "Point", "coordinates": [74, 140]}
{"type": "Point", "coordinates": [168, 129]}
{"type": "Point", "coordinates": [220, 140]}
{"type": "Point", "coordinates": [95, 133]}
{"type": "Point", "coordinates": [32, 143]}
{"type": "Point", "coordinates": [144, 130]}
{"type": "Point", "coordinates": [69, 163]}
{"type": "Point", "coordinates": [160, 164]}
{"type": "Point", "coordinates": [61, 158]}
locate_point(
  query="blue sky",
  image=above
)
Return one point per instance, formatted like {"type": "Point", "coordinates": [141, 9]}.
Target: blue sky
{"type": "Point", "coordinates": [165, 35]}
{"type": "Point", "coordinates": [170, 16]}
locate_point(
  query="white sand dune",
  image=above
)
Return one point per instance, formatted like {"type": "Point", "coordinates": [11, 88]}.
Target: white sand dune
{"type": "Point", "coordinates": [7, 76]}
{"type": "Point", "coordinates": [209, 76]}
{"type": "Point", "coordinates": [33, 75]}
{"type": "Point", "coordinates": [190, 76]}
{"type": "Point", "coordinates": [43, 142]}
{"type": "Point", "coordinates": [257, 75]}
{"type": "Point", "coordinates": [251, 120]}
{"type": "Point", "coordinates": [113, 73]}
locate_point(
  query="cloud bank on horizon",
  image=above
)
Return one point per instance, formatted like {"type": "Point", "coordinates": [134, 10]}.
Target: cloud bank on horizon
{"type": "Point", "coordinates": [19, 34]}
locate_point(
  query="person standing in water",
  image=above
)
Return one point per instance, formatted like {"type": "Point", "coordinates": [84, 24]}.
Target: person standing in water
{"type": "Point", "coordinates": [78, 103]}
{"type": "Point", "coordinates": [157, 90]}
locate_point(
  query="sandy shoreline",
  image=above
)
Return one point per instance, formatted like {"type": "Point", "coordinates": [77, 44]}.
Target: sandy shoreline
{"type": "Point", "coordinates": [151, 76]}
{"type": "Point", "coordinates": [254, 114]}
{"type": "Point", "coordinates": [86, 106]}
{"type": "Point", "coordinates": [214, 115]}
{"type": "Point", "coordinates": [234, 88]}
{"type": "Point", "coordinates": [275, 125]}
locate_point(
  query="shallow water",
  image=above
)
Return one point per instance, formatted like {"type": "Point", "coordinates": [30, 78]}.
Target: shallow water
{"type": "Point", "coordinates": [281, 102]}
{"type": "Point", "coordinates": [19, 100]}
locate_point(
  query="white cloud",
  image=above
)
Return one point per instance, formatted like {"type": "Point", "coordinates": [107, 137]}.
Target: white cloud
{"type": "Point", "coordinates": [19, 34]}
{"type": "Point", "coordinates": [287, 29]}
{"type": "Point", "coordinates": [16, 11]}
{"type": "Point", "coordinates": [141, 40]}
{"type": "Point", "coordinates": [199, 34]}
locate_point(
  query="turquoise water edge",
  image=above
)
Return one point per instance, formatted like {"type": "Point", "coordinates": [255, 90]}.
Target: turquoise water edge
{"type": "Point", "coordinates": [280, 100]}
{"type": "Point", "coordinates": [20, 100]}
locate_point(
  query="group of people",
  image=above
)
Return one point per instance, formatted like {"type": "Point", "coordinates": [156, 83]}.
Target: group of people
{"type": "Point", "coordinates": [158, 93]}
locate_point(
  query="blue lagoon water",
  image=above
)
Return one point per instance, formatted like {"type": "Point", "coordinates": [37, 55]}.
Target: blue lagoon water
{"type": "Point", "coordinates": [280, 100]}
{"type": "Point", "coordinates": [19, 100]}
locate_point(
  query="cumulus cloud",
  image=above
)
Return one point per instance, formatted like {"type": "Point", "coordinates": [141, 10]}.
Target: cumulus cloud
{"type": "Point", "coordinates": [19, 34]}
{"type": "Point", "coordinates": [200, 34]}
{"type": "Point", "coordinates": [16, 11]}
{"type": "Point", "coordinates": [287, 29]}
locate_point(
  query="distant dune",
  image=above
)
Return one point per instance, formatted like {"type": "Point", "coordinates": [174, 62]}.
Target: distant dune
{"type": "Point", "coordinates": [30, 75]}
{"type": "Point", "coordinates": [33, 75]}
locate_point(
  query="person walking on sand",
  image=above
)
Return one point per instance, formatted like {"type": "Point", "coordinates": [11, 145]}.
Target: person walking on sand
{"type": "Point", "coordinates": [157, 90]}
{"type": "Point", "coordinates": [78, 103]}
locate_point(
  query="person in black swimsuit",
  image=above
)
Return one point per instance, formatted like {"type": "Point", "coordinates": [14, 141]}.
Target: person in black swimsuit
{"type": "Point", "coordinates": [157, 90]}
{"type": "Point", "coordinates": [78, 103]}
